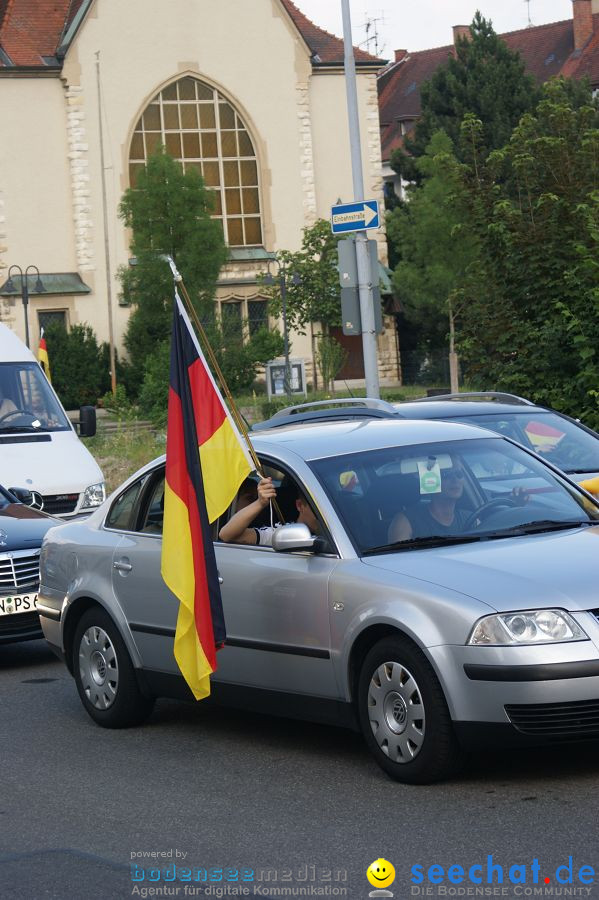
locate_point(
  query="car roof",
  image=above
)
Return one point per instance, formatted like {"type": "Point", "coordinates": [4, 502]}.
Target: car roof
{"type": "Point", "coordinates": [317, 440]}
{"type": "Point", "coordinates": [447, 409]}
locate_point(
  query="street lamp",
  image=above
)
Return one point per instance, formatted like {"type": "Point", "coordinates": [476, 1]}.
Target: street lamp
{"type": "Point", "coordinates": [281, 280]}
{"type": "Point", "coordinates": [10, 288]}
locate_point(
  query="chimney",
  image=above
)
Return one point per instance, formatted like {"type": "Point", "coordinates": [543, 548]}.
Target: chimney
{"type": "Point", "coordinates": [462, 31]}
{"type": "Point", "coordinates": [399, 54]}
{"type": "Point", "coordinates": [583, 22]}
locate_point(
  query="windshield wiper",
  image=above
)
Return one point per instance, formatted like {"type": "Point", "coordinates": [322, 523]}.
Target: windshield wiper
{"type": "Point", "coordinates": [16, 429]}
{"type": "Point", "coordinates": [541, 525]}
{"type": "Point", "coordinates": [433, 540]}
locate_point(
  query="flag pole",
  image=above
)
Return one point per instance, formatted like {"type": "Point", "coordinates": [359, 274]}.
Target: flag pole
{"type": "Point", "coordinates": [238, 418]}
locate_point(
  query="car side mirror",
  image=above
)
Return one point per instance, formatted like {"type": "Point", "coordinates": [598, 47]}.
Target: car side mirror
{"type": "Point", "coordinates": [22, 495]}
{"type": "Point", "coordinates": [87, 421]}
{"type": "Point", "coordinates": [288, 538]}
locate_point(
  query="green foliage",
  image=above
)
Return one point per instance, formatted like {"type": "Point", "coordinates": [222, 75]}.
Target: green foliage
{"type": "Point", "coordinates": [317, 296]}
{"type": "Point", "coordinates": [168, 212]}
{"type": "Point", "coordinates": [484, 78]}
{"type": "Point", "coordinates": [80, 370]}
{"type": "Point", "coordinates": [330, 358]}
{"type": "Point", "coordinates": [238, 360]}
{"type": "Point", "coordinates": [434, 244]}
{"type": "Point", "coordinates": [532, 324]}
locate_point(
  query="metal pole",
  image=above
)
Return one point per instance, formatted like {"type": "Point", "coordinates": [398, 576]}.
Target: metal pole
{"type": "Point", "coordinates": [287, 380]}
{"type": "Point", "coordinates": [25, 296]}
{"type": "Point", "coordinates": [106, 241]}
{"type": "Point", "coordinates": [371, 372]}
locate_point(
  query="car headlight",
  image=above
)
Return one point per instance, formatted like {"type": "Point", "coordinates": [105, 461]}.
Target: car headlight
{"type": "Point", "coordinates": [94, 495]}
{"type": "Point", "coordinates": [531, 626]}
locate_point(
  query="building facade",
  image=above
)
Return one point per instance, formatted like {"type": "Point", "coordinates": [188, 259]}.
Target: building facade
{"type": "Point", "coordinates": [250, 94]}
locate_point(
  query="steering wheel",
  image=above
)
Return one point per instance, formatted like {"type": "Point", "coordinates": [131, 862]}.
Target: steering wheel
{"type": "Point", "coordinates": [483, 511]}
{"type": "Point", "coordinates": [17, 412]}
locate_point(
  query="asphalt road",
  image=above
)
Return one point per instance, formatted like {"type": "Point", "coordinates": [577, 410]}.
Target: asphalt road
{"type": "Point", "coordinates": [233, 790]}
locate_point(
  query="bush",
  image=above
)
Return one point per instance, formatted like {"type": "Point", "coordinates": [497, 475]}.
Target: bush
{"type": "Point", "coordinates": [80, 372]}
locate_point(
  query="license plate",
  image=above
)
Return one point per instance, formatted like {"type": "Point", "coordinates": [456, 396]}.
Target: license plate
{"type": "Point", "coordinates": [20, 603]}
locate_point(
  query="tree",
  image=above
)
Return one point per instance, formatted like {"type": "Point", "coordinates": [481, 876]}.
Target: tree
{"type": "Point", "coordinates": [168, 212]}
{"type": "Point", "coordinates": [80, 368]}
{"type": "Point", "coordinates": [430, 234]}
{"type": "Point", "coordinates": [484, 78]}
{"type": "Point", "coordinates": [532, 325]}
{"type": "Point", "coordinates": [316, 296]}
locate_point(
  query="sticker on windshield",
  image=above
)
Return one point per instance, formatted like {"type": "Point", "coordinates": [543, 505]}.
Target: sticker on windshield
{"type": "Point", "coordinates": [429, 473]}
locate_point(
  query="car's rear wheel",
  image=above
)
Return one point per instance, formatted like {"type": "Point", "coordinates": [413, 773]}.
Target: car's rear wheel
{"type": "Point", "coordinates": [403, 714]}
{"type": "Point", "coordinates": [104, 673]}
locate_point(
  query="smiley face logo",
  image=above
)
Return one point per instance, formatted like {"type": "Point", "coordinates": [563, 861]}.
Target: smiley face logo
{"type": "Point", "coordinates": [380, 873]}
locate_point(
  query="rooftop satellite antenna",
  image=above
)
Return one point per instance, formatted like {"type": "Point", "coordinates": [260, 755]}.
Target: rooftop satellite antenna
{"type": "Point", "coordinates": [372, 42]}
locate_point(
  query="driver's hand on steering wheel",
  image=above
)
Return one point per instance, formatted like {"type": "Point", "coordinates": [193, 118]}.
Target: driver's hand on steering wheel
{"type": "Point", "coordinates": [520, 496]}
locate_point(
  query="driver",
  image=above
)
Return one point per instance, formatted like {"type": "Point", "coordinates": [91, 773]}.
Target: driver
{"type": "Point", "coordinates": [440, 516]}
{"type": "Point", "coordinates": [6, 406]}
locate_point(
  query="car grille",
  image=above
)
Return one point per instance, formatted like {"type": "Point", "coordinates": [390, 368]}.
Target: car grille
{"type": "Point", "coordinates": [57, 504]}
{"type": "Point", "coordinates": [580, 718]}
{"type": "Point", "coordinates": [19, 570]}
{"type": "Point", "coordinates": [22, 625]}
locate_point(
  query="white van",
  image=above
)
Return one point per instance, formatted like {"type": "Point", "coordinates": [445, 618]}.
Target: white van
{"type": "Point", "coordinates": [40, 450]}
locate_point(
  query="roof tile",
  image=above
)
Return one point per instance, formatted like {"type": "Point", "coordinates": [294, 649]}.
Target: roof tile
{"type": "Point", "coordinates": [547, 50]}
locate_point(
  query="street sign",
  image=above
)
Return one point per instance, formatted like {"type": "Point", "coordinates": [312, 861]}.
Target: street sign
{"type": "Point", "coordinates": [350, 311]}
{"type": "Point", "coordinates": [355, 216]}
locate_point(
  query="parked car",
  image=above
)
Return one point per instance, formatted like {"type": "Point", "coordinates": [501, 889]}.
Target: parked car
{"type": "Point", "coordinates": [22, 528]}
{"type": "Point", "coordinates": [442, 640]}
{"type": "Point", "coordinates": [559, 439]}
{"type": "Point", "coordinates": [41, 449]}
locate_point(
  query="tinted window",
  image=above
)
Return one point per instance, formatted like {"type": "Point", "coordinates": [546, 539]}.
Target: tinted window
{"type": "Point", "coordinates": [561, 442]}
{"type": "Point", "coordinates": [121, 512]}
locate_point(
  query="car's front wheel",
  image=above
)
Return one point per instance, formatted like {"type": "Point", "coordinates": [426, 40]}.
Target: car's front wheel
{"type": "Point", "coordinates": [104, 673]}
{"type": "Point", "coordinates": [403, 714]}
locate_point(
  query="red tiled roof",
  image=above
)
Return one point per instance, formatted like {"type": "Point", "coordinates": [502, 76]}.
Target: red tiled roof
{"type": "Point", "coordinates": [327, 47]}
{"type": "Point", "coordinates": [546, 50]}
{"type": "Point", "coordinates": [33, 29]}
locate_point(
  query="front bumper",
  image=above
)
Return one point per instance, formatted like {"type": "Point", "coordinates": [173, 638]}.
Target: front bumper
{"type": "Point", "coordinates": [528, 694]}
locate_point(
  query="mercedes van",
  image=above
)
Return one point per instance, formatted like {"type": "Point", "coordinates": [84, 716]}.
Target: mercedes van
{"type": "Point", "coordinates": [40, 450]}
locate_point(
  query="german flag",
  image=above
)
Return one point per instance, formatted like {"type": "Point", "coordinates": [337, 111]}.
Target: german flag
{"type": "Point", "coordinates": [42, 356]}
{"type": "Point", "coordinates": [205, 464]}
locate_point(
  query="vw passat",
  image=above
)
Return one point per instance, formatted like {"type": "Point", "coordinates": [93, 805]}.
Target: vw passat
{"type": "Point", "coordinates": [449, 597]}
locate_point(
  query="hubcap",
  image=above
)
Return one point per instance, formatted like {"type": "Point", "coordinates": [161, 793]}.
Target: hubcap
{"type": "Point", "coordinates": [98, 667]}
{"type": "Point", "coordinates": [396, 712]}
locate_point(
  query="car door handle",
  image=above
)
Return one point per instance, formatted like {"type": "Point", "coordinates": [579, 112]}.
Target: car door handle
{"type": "Point", "coordinates": [122, 566]}
{"type": "Point", "coordinates": [220, 578]}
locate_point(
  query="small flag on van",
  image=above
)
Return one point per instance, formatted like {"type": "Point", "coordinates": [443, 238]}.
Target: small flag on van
{"type": "Point", "coordinates": [42, 356]}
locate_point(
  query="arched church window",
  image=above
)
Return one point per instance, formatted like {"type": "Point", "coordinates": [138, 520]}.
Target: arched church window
{"type": "Point", "coordinates": [201, 129]}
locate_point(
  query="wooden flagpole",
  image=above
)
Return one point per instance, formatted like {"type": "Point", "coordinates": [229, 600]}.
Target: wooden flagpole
{"type": "Point", "coordinates": [237, 417]}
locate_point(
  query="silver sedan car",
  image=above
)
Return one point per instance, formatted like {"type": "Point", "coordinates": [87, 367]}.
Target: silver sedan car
{"type": "Point", "coordinates": [449, 598]}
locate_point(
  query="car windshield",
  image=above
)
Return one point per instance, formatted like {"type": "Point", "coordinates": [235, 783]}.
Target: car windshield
{"type": "Point", "coordinates": [27, 403]}
{"type": "Point", "coordinates": [565, 444]}
{"type": "Point", "coordinates": [397, 498]}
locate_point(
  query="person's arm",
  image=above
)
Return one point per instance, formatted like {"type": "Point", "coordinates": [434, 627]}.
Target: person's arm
{"type": "Point", "coordinates": [237, 530]}
{"type": "Point", "coordinates": [400, 529]}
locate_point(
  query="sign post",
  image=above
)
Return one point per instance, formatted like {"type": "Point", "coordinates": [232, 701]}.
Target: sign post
{"type": "Point", "coordinates": [363, 262]}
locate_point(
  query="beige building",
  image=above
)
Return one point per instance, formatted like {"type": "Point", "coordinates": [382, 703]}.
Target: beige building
{"type": "Point", "coordinates": [249, 92]}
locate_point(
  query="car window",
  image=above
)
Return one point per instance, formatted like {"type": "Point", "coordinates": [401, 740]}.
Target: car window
{"type": "Point", "coordinates": [563, 443]}
{"type": "Point", "coordinates": [121, 511]}
{"type": "Point", "coordinates": [153, 511]}
{"type": "Point", "coordinates": [476, 488]}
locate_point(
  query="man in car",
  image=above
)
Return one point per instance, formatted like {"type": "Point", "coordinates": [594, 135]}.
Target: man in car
{"type": "Point", "coordinates": [239, 530]}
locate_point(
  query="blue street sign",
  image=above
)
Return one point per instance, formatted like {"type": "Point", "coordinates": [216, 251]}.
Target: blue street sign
{"type": "Point", "coordinates": [355, 216]}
